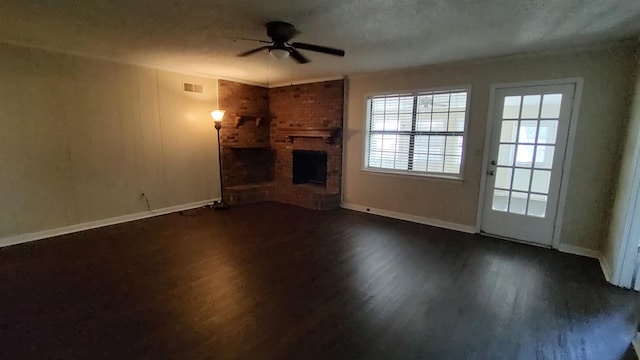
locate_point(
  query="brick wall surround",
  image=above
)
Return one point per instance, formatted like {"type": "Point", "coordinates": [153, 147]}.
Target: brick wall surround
{"type": "Point", "coordinates": [318, 105]}
{"type": "Point", "coordinates": [244, 166]}
{"type": "Point", "coordinates": [248, 174]}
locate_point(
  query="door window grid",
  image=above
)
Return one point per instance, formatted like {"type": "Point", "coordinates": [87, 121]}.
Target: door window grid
{"type": "Point", "coordinates": [546, 108]}
{"type": "Point", "coordinates": [510, 204]}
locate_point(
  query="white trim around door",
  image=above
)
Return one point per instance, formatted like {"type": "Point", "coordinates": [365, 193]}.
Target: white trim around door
{"type": "Point", "coordinates": [566, 161]}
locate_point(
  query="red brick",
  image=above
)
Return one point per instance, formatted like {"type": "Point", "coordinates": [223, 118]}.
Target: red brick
{"type": "Point", "coordinates": [316, 105]}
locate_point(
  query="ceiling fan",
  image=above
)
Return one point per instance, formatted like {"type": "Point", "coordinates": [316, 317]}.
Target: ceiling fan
{"type": "Point", "coordinates": [279, 47]}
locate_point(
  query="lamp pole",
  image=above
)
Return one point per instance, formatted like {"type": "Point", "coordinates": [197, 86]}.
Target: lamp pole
{"type": "Point", "coordinates": [217, 116]}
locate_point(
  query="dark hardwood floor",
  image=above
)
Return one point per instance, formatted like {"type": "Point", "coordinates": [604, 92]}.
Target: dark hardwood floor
{"type": "Point", "coordinates": [272, 281]}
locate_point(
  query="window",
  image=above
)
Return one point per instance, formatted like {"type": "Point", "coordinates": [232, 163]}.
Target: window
{"type": "Point", "coordinates": [417, 133]}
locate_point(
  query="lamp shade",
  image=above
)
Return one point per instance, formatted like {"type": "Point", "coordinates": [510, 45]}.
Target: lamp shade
{"type": "Point", "coordinates": [217, 115]}
{"type": "Point", "coordinates": [279, 53]}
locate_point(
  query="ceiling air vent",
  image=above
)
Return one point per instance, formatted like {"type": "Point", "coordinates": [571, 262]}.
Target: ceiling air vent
{"type": "Point", "coordinates": [192, 88]}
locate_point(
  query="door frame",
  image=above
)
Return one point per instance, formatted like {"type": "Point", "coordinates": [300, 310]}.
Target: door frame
{"type": "Point", "coordinates": [625, 232]}
{"type": "Point", "coordinates": [566, 161]}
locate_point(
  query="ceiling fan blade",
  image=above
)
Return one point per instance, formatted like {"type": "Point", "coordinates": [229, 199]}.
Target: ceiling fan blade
{"type": "Point", "coordinates": [252, 51]}
{"type": "Point", "coordinates": [318, 48]}
{"type": "Point", "coordinates": [295, 54]}
{"type": "Point", "coordinates": [262, 41]}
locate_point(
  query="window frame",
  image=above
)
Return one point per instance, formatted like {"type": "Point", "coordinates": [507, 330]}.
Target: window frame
{"type": "Point", "coordinates": [411, 173]}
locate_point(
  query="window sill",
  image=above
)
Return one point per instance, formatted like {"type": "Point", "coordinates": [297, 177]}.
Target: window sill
{"type": "Point", "coordinates": [448, 178]}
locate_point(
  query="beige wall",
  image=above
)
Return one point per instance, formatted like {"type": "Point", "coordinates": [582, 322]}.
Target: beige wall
{"type": "Point", "coordinates": [603, 117]}
{"type": "Point", "coordinates": [81, 138]}
{"type": "Point", "coordinates": [625, 195]}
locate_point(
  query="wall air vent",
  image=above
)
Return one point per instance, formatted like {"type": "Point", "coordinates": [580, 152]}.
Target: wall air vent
{"type": "Point", "coordinates": [192, 88]}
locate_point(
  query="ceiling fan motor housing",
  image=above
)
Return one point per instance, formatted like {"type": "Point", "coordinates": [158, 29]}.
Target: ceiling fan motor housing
{"type": "Point", "coordinates": [280, 32]}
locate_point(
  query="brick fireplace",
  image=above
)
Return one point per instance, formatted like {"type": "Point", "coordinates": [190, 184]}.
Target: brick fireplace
{"type": "Point", "coordinates": [293, 154]}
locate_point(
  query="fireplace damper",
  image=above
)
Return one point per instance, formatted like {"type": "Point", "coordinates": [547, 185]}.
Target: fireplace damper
{"type": "Point", "coordinates": [310, 167]}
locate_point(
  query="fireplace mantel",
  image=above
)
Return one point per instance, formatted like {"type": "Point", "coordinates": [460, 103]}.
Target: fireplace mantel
{"type": "Point", "coordinates": [327, 134]}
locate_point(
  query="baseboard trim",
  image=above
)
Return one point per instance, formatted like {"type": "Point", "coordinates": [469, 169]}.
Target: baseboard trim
{"type": "Point", "coordinates": [578, 250]}
{"type": "Point", "coordinates": [602, 260]}
{"type": "Point", "coordinates": [23, 238]}
{"type": "Point", "coordinates": [606, 268]}
{"type": "Point", "coordinates": [412, 218]}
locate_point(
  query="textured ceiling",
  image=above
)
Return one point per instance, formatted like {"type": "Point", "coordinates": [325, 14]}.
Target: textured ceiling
{"type": "Point", "coordinates": [197, 36]}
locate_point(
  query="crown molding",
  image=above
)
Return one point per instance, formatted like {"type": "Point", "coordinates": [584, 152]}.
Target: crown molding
{"type": "Point", "coordinates": [601, 46]}
{"type": "Point", "coordinates": [129, 62]}
{"type": "Point", "coordinates": [307, 81]}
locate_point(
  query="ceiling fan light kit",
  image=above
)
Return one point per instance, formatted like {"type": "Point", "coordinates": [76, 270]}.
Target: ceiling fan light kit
{"type": "Point", "coordinates": [280, 33]}
{"type": "Point", "coordinates": [279, 53]}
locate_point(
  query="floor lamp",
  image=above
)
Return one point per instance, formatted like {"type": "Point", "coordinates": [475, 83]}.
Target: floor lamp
{"type": "Point", "coordinates": [217, 116]}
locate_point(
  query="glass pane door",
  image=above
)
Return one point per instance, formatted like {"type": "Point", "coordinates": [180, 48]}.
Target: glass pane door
{"type": "Point", "coordinates": [527, 143]}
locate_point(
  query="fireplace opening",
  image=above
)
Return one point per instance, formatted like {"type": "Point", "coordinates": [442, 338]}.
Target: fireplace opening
{"type": "Point", "coordinates": [310, 167]}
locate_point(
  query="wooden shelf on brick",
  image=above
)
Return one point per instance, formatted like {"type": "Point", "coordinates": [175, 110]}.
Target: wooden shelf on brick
{"type": "Point", "coordinates": [240, 119]}
{"type": "Point", "coordinates": [249, 146]}
{"type": "Point", "coordinates": [327, 134]}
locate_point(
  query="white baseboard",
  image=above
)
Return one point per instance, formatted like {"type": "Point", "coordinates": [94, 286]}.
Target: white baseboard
{"type": "Point", "coordinates": [412, 218]}
{"type": "Point", "coordinates": [595, 254]}
{"type": "Point", "coordinates": [23, 238]}
{"type": "Point", "coordinates": [578, 250]}
{"type": "Point", "coordinates": [606, 268]}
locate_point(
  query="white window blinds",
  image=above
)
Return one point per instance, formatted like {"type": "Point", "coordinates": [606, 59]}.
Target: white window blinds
{"type": "Point", "coordinates": [419, 132]}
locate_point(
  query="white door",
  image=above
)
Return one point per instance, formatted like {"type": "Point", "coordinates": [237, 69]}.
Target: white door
{"type": "Point", "coordinates": [529, 134]}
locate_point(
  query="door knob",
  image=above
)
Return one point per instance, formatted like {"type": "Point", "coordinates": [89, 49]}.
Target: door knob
{"type": "Point", "coordinates": [493, 162]}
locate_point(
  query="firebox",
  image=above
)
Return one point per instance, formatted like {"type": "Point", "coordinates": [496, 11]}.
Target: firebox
{"type": "Point", "coordinates": [310, 167]}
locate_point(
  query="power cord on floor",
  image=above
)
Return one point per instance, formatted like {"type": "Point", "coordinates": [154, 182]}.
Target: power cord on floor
{"type": "Point", "coordinates": [146, 199]}
{"type": "Point", "coordinates": [197, 213]}
{"type": "Point", "coordinates": [185, 214]}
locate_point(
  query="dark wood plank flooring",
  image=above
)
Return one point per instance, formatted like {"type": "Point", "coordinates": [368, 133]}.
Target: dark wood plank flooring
{"type": "Point", "coordinates": [271, 281]}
